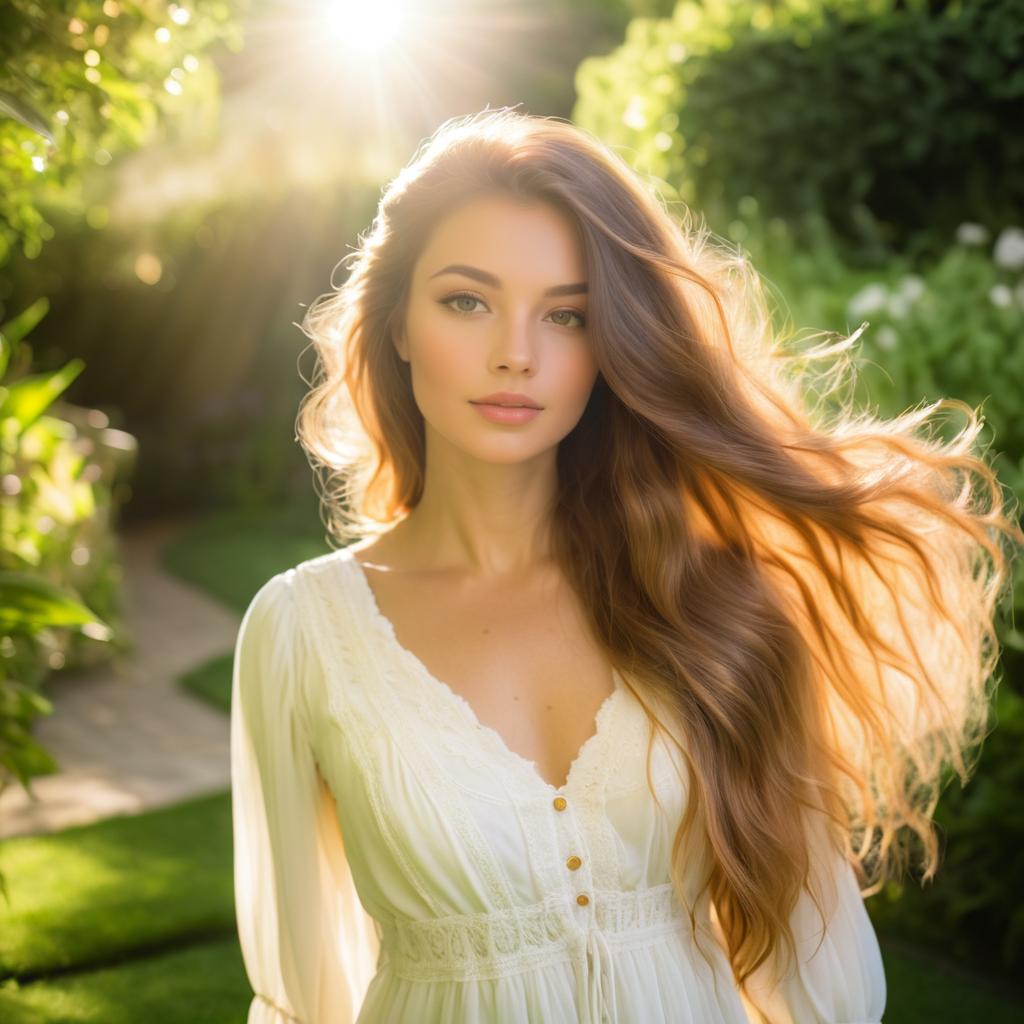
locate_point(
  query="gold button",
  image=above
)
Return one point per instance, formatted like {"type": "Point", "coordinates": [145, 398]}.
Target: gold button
{"type": "Point", "coordinates": [573, 862]}
{"type": "Point", "coordinates": [583, 899]}
{"type": "Point", "coordinates": [559, 803]}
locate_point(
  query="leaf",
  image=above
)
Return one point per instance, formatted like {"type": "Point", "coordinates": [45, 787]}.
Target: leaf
{"type": "Point", "coordinates": [27, 399]}
{"type": "Point", "coordinates": [17, 327]}
{"type": "Point", "coordinates": [28, 604]}
{"type": "Point", "coordinates": [14, 106]}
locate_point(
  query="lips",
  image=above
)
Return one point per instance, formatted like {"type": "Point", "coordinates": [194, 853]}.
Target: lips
{"type": "Point", "coordinates": [507, 399]}
{"type": "Point", "coordinates": [507, 414]}
{"type": "Point", "coordinates": [509, 405]}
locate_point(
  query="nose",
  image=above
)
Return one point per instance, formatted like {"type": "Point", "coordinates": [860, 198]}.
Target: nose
{"type": "Point", "coordinates": [514, 344]}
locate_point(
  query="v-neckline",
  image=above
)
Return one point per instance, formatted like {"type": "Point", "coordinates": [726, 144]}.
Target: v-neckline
{"type": "Point", "coordinates": [461, 705]}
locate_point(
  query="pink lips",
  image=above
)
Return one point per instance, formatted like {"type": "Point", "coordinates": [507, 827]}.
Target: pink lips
{"type": "Point", "coordinates": [507, 407]}
{"type": "Point", "coordinates": [505, 413]}
{"type": "Point", "coordinates": [507, 398]}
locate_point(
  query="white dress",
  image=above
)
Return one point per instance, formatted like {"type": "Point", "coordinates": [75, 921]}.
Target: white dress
{"type": "Point", "coordinates": [466, 888]}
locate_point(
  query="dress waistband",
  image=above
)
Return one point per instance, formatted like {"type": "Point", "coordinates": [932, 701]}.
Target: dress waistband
{"type": "Point", "coordinates": [466, 947]}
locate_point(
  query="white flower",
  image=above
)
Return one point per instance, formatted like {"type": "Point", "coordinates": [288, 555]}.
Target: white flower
{"type": "Point", "coordinates": [887, 337]}
{"type": "Point", "coordinates": [912, 287]}
{"type": "Point", "coordinates": [971, 234]}
{"type": "Point", "coordinates": [869, 299]}
{"type": "Point", "coordinates": [898, 305]}
{"type": "Point", "coordinates": [1000, 295]}
{"type": "Point", "coordinates": [1009, 250]}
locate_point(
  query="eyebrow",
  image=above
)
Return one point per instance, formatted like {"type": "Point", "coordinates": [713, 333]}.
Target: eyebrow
{"type": "Point", "coordinates": [577, 288]}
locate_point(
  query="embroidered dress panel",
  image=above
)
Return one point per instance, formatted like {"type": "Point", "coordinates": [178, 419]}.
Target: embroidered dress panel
{"type": "Point", "coordinates": [396, 862]}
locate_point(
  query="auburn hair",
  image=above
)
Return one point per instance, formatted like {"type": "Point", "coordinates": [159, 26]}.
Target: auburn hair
{"type": "Point", "coordinates": [806, 591]}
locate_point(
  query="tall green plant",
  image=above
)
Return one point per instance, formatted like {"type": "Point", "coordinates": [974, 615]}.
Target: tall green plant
{"type": "Point", "coordinates": [36, 494]}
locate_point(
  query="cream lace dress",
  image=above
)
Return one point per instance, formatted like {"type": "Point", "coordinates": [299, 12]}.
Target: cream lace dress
{"type": "Point", "coordinates": [397, 863]}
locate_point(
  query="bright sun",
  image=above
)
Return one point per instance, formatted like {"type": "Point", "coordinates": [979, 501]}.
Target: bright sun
{"type": "Point", "coordinates": [366, 27]}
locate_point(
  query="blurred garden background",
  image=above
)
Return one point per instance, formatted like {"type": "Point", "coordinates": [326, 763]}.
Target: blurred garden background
{"type": "Point", "coordinates": [178, 181]}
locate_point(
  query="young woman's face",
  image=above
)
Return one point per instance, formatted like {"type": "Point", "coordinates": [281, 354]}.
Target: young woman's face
{"type": "Point", "coordinates": [493, 325]}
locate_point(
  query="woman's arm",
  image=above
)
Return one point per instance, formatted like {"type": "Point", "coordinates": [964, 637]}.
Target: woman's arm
{"type": "Point", "coordinates": [309, 948]}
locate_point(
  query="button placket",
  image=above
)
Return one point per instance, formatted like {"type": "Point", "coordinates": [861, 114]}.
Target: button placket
{"type": "Point", "coordinates": [573, 862]}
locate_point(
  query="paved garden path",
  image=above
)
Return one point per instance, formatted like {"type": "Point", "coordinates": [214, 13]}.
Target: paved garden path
{"type": "Point", "coordinates": [126, 735]}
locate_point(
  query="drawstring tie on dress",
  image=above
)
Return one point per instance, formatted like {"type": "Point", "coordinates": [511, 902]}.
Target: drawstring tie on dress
{"type": "Point", "coordinates": [600, 1004]}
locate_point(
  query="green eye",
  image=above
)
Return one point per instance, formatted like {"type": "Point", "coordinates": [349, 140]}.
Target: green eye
{"type": "Point", "coordinates": [460, 295]}
{"type": "Point", "coordinates": [571, 312]}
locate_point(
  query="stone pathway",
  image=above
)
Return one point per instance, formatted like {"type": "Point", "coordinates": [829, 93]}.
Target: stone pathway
{"type": "Point", "coordinates": [126, 735]}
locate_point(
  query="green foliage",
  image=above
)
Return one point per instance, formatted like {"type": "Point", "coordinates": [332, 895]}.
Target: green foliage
{"type": "Point", "coordinates": [956, 328]}
{"type": "Point", "coordinates": [55, 544]}
{"type": "Point", "coordinates": [82, 80]}
{"type": "Point", "coordinates": [29, 606]}
{"type": "Point", "coordinates": [891, 118]}
{"type": "Point", "coordinates": [973, 906]}
{"type": "Point", "coordinates": [633, 98]}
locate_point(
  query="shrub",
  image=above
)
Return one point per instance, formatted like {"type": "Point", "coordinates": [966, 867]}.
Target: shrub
{"type": "Point", "coordinates": [891, 119]}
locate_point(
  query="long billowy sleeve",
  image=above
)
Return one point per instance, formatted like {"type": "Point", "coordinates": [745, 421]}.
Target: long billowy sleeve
{"type": "Point", "coordinates": [838, 977]}
{"type": "Point", "coordinates": [309, 947]}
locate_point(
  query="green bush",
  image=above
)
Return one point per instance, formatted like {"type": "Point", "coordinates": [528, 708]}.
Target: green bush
{"type": "Point", "coordinates": [892, 122]}
{"type": "Point", "coordinates": [972, 910]}
{"type": "Point", "coordinates": [57, 571]}
{"type": "Point", "coordinates": [956, 327]}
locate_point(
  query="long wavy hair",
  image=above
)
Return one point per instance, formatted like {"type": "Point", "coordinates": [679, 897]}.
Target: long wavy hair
{"type": "Point", "coordinates": [807, 592]}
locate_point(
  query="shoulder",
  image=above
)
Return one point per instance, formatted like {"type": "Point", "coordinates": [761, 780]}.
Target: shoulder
{"type": "Point", "coordinates": [272, 601]}
{"type": "Point", "coordinates": [274, 641]}
{"type": "Point", "coordinates": [296, 605]}
{"type": "Point", "coordinates": [320, 567]}
{"type": "Point", "coordinates": [269, 626]}
{"type": "Point", "coordinates": [282, 591]}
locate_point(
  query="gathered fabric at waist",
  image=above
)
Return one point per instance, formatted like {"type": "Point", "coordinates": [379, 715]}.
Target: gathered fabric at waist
{"type": "Point", "coordinates": [465, 947]}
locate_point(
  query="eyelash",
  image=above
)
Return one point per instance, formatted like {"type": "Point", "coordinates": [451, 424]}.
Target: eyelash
{"type": "Point", "coordinates": [469, 295]}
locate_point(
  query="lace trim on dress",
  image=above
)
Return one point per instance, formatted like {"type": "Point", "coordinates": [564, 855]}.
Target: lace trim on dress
{"type": "Point", "coordinates": [496, 944]}
{"type": "Point", "coordinates": [343, 661]}
{"type": "Point", "coordinates": [526, 770]}
{"type": "Point", "coordinates": [350, 656]}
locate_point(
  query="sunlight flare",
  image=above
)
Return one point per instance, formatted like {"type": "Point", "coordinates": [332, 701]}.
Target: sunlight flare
{"type": "Point", "coordinates": [366, 28]}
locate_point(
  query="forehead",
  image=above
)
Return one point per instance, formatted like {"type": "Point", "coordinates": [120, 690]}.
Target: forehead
{"type": "Point", "coordinates": [522, 241]}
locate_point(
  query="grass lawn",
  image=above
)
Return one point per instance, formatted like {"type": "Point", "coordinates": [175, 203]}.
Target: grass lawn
{"type": "Point", "coordinates": [202, 982]}
{"type": "Point", "coordinates": [92, 894]}
{"type": "Point", "coordinates": [132, 919]}
{"type": "Point", "coordinates": [925, 987]}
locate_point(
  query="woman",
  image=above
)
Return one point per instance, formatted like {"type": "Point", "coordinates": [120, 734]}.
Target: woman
{"type": "Point", "coordinates": [608, 714]}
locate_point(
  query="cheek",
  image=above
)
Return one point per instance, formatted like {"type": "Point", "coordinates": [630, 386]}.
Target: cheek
{"type": "Point", "coordinates": [440, 361]}
{"type": "Point", "coordinates": [441, 364]}
{"type": "Point", "coordinates": [578, 375]}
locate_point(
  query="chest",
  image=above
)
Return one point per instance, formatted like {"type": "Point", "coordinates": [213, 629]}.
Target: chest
{"type": "Point", "coordinates": [523, 656]}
